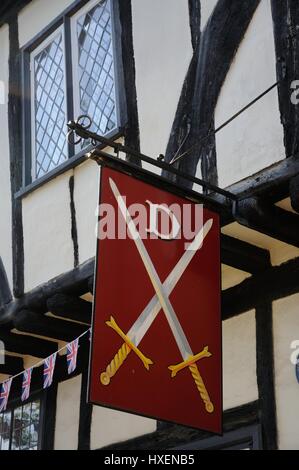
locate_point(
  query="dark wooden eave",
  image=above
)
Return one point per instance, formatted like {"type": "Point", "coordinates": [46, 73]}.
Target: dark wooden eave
{"type": "Point", "coordinates": [274, 283]}
{"type": "Point", "coordinates": [243, 256]}
{"type": "Point", "coordinates": [264, 217]}
{"type": "Point", "coordinates": [26, 345]}
{"type": "Point", "coordinates": [9, 8]}
{"type": "Point", "coordinates": [12, 366]}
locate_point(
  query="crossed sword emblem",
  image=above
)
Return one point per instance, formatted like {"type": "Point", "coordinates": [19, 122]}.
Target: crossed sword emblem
{"type": "Point", "coordinates": [160, 300]}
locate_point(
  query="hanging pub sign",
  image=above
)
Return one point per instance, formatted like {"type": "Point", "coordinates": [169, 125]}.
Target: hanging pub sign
{"type": "Point", "coordinates": [156, 339]}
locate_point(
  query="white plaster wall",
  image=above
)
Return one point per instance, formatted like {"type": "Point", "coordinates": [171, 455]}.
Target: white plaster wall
{"type": "Point", "coordinates": [5, 192]}
{"type": "Point", "coordinates": [255, 139]}
{"type": "Point", "coordinates": [231, 276]}
{"type": "Point", "coordinates": [286, 330]}
{"type": "Point", "coordinates": [86, 202]}
{"type": "Point", "coordinates": [109, 426]}
{"type": "Point", "coordinates": [67, 414]}
{"type": "Point", "coordinates": [280, 252]}
{"type": "Point", "coordinates": [37, 15]}
{"type": "Point", "coordinates": [163, 50]}
{"type": "Point", "coordinates": [207, 7]}
{"type": "Point", "coordinates": [239, 361]}
{"type": "Point", "coordinates": [48, 246]}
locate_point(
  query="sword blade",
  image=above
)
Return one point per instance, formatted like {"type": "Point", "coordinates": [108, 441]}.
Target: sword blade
{"type": "Point", "coordinates": [150, 312]}
{"type": "Point", "coordinates": [175, 326]}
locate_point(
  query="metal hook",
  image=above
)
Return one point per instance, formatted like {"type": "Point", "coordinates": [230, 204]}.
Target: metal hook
{"type": "Point", "coordinates": [71, 138]}
{"type": "Point", "coordinates": [72, 133]}
{"type": "Point", "coordinates": [81, 119]}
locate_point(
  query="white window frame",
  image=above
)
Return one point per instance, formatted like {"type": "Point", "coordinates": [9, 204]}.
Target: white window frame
{"type": "Point", "coordinates": [33, 54]}
{"type": "Point", "coordinates": [75, 58]}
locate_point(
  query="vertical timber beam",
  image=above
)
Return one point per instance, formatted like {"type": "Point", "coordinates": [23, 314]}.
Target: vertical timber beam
{"type": "Point", "coordinates": [210, 64]}
{"type": "Point", "coordinates": [128, 104]}
{"type": "Point", "coordinates": [265, 374]}
{"type": "Point", "coordinates": [16, 163]}
{"type": "Point", "coordinates": [285, 16]}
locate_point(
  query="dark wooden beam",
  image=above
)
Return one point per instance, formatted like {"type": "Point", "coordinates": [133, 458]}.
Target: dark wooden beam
{"type": "Point", "coordinates": [74, 282]}
{"type": "Point", "coordinates": [265, 375]}
{"type": "Point", "coordinates": [30, 322]}
{"type": "Point", "coordinates": [272, 182]}
{"type": "Point", "coordinates": [294, 193]}
{"type": "Point", "coordinates": [15, 152]}
{"type": "Point", "coordinates": [91, 284]}
{"type": "Point", "coordinates": [126, 76]}
{"type": "Point", "coordinates": [85, 413]}
{"type": "Point", "coordinates": [274, 283]}
{"type": "Point", "coordinates": [269, 219]}
{"type": "Point", "coordinates": [68, 306]}
{"type": "Point", "coordinates": [211, 61]}
{"type": "Point", "coordinates": [74, 230]}
{"type": "Point", "coordinates": [244, 256]}
{"type": "Point", "coordinates": [49, 409]}
{"type": "Point", "coordinates": [21, 344]}
{"type": "Point", "coordinates": [172, 435]}
{"type": "Point", "coordinates": [195, 21]}
{"type": "Point", "coordinates": [285, 21]}
{"type": "Point", "coordinates": [13, 365]}
{"type": "Point", "coordinates": [9, 8]}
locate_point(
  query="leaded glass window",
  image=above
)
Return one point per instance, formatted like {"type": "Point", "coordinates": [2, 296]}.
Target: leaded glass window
{"type": "Point", "coordinates": [72, 73]}
{"type": "Point", "coordinates": [20, 427]}
{"type": "Point", "coordinates": [49, 110]}
{"type": "Point", "coordinates": [94, 69]}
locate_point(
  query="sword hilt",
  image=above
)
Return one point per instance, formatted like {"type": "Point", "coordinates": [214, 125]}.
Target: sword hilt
{"type": "Point", "coordinates": [191, 364]}
{"type": "Point", "coordinates": [201, 388]}
{"type": "Point", "coordinates": [115, 364]}
{"type": "Point", "coordinates": [122, 354]}
{"type": "Point", "coordinates": [191, 360]}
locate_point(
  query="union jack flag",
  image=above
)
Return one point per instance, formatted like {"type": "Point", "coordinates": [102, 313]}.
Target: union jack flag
{"type": "Point", "coordinates": [4, 394]}
{"type": "Point", "coordinates": [72, 352]}
{"type": "Point", "coordinates": [49, 366]}
{"type": "Point", "coordinates": [26, 384]}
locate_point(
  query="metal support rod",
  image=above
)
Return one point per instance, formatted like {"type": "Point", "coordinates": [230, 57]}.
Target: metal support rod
{"type": "Point", "coordinates": [117, 147]}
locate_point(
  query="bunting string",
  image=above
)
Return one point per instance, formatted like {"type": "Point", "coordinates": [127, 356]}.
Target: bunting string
{"type": "Point", "coordinates": [48, 373]}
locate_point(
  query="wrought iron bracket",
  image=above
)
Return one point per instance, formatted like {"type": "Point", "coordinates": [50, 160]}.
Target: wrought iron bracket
{"type": "Point", "coordinates": [78, 132]}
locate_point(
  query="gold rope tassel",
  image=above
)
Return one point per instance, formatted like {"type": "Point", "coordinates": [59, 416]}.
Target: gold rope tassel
{"type": "Point", "coordinates": [201, 388]}
{"type": "Point", "coordinates": [115, 364]}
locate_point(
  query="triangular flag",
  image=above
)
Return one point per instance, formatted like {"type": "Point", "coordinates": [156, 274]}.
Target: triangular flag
{"type": "Point", "coordinates": [49, 367]}
{"type": "Point", "coordinates": [27, 374]}
{"type": "Point", "coordinates": [72, 352]}
{"type": "Point", "coordinates": [4, 394]}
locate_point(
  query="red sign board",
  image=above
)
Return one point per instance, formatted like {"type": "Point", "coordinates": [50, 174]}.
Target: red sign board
{"type": "Point", "coordinates": [156, 342]}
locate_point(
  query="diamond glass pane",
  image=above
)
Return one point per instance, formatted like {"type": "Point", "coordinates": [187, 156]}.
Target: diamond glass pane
{"type": "Point", "coordinates": [50, 117]}
{"type": "Point", "coordinates": [96, 68]}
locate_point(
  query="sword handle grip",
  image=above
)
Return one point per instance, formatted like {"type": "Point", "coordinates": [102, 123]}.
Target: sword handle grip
{"type": "Point", "coordinates": [115, 364]}
{"type": "Point", "coordinates": [201, 388]}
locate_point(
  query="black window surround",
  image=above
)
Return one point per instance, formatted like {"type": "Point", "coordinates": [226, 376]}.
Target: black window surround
{"type": "Point", "coordinates": [77, 156]}
{"type": "Point", "coordinates": [17, 405]}
{"type": "Point", "coordinates": [245, 438]}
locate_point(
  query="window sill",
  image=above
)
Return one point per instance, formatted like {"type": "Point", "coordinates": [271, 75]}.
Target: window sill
{"type": "Point", "coordinates": [67, 165]}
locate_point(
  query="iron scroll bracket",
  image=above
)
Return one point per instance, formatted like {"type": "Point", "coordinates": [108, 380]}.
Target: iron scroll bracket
{"type": "Point", "coordinates": [78, 132]}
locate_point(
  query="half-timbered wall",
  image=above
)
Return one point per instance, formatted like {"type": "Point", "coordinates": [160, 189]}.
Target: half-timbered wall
{"type": "Point", "coordinates": [254, 140]}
